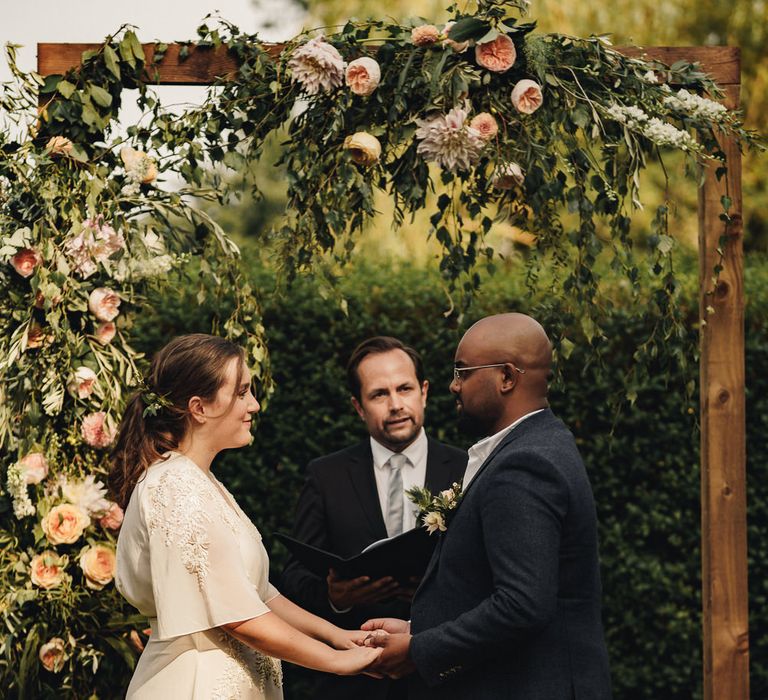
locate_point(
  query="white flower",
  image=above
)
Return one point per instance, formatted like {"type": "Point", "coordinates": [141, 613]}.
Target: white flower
{"type": "Point", "coordinates": [449, 141]}
{"type": "Point", "coordinates": [317, 66]}
{"type": "Point", "coordinates": [650, 77]}
{"type": "Point", "coordinates": [507, 175]}
{"type": "Point", "coordinates": [664, 134]}
{"type": "Point", "coordinates": [104, 303]}
{"type": "Point", "coordinates": [87, 494]}
{"type": "Point", "coordinates": [695, 107]}
{"type": "Point", "coordinates": [16, 484]}
{"type": "Point", "coordinates": [95, 243]}
{"type": "Point", "coordinates": [82, 383]}
{"type": "Point", "coordinates": [434, 521]}
{"type": "Point", "coordinates": [139, 167]}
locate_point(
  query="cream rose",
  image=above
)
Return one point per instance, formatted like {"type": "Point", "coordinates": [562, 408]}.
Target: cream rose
{"type": "Point", "coordinates": [47, 569]}
{"type": "Point", "coordinates": [113, 518]}
{"type": "Point", "coordinates": [507, 176]}
{"type": "Point", "coordinates": [138, 165]}
{"type": "Point", "coordinates": [82, 383]}
{"type": "Point", "coordinates": [34, 467]}
{"type": "Point", "coordinates": [65, 524]}
{"type": "Point", "coordinates": [59, 145]}
{"type": "Point", "coordinates": [485, 125]}
{"type": "Point", "coordinates": [364, 148]}
{"type": "Point", "coordinates": [425, 34]}
{"type": "Point", "coordinates": [98, 563]}
{"type": "Point", "coordinates": [104, 303]}
{"type": "Point", "coordinates": [527, 97]}
{"type": "Point", "coordinates": [363, 76]}
{"type": "Point", "coordinates": [498, 55]}
{"type": "Point", "coordinates": [434, 521]}
{"type": "Point", "coordinates": [25, 261]}
{"type": "Point", "coordinates": [105, 332]}
{"type": "Point", "coordinates": [95, 430]}
{"type": "Point", "coordinates": [53, 654]}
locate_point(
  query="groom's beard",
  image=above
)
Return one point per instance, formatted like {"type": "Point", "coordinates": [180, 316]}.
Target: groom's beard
{"type": "Point", "coordinates": [474, 425]}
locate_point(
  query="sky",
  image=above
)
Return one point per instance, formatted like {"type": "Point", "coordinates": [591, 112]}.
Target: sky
{"type": "Point", "coordinates": [28, 22]}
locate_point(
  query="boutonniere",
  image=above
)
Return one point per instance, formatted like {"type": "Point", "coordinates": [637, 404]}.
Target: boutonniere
{"type": "Point", "coordinates": [435, 512]}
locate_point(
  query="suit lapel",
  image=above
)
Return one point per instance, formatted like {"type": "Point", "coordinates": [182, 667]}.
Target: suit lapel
{"type": "Point", "coordinates": [360, 469]}
{"type": "Point", "coordinates": [435, 459]}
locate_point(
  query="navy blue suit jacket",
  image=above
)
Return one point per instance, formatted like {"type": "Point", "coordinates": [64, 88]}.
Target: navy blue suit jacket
{"type": "Point", "coordinates": [510, 604]}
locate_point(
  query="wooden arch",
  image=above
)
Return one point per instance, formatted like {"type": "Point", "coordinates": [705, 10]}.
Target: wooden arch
{"type": "Point", "coordinates": [722, 374]}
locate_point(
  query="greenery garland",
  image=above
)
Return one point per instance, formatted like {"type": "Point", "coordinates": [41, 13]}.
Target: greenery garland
{"type": "Point", "coordinates": [548, 132]}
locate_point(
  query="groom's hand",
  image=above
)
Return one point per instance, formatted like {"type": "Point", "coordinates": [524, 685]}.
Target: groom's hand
{"type": "Point", "coordinates": [347, 593]}
{"type": "Point", "coordinates": [394, 660]}
{"type": "Point", "coordinates": [388, 624]}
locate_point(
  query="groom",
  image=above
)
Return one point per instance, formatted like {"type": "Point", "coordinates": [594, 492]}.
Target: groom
{"type": "Point", "coordinates": [510, 604]}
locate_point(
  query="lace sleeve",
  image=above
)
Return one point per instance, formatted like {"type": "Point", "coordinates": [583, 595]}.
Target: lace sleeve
{"type": "Point", "coordinates": [199, 578]}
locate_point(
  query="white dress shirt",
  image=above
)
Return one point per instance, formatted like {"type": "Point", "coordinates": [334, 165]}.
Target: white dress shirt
{"type": "Point", "coordinates": [480, 451]}
{"type": "Point", "coordinates": [414, 472]}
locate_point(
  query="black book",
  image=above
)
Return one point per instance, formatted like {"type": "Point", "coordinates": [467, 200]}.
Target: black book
{"type": "Point", "coordinates": [402, 557]}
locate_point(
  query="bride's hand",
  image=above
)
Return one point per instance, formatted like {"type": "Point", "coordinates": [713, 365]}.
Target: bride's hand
{"type": "Point", "coordinates": [347, 639]}
{"type": "Point", "coordinates": [391, 625]}
{"type": "Point", "coordinates": [350, 662]}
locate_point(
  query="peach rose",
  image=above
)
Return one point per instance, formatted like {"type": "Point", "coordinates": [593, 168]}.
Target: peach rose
{"type": "Point", "coordinates": [363, 75]}
{"type": "Point", "coordinates": [47, 569]}
{"type": "Point", "coordinates": [113, 518]}
{"type": "Point", "coordinates": [98, 563]}
{"type": "Point", "coordinates": [59, 145]}
{"type": "Point", "coordinates": [25, 261]}
{"type": "Point", "coordinates": [34, 466]}
{"type": "Point", "coordinates": [498, 55]}
{"type": "Point", "coordinates": [485, 125]}
{"type": "Point", "coordinates": [83, 383]}
{"type": "Point", "coordinates": [364, 148]}
{"type": "Point", "coordinates": [53, 654]}
{"type": "Point", "coordinates": [138, 165]}
{"type": "Point", "coordinates": [105, 332]}
{"type": "Point", "coordinates": [104, 304]}
{"type": "Point", "coordinates": [526, 96]}
{"type": "Point", "coordinates": [425, 35]}
{"type": "Point", "coordinates": [507, 176]}
{"type": "Point", "coordinates": [95, 430]}
{"type": "Point", "coordinates": [457, 46]}
{"type": "Point", "coordinates": [65, 524]}
{"type": "Point", "coordinates": [37, 336]}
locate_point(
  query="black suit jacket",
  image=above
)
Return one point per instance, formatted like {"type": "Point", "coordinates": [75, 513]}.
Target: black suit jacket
{"type": "Point", "coordinates": [339, 511]}
{"type": "Point", "coordinates": [510, 604]}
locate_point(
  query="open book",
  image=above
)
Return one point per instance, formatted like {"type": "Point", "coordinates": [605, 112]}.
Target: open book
{"type": "Point", "coordinates": [401, 557]}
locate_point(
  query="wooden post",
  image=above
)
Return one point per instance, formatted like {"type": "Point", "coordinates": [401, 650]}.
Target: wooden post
{"type": "Point", "coordinates": [723, 426]}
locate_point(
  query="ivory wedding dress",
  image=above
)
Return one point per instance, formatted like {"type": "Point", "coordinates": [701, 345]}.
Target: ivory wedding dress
{"type": "Point", "coordinates": [190, 560]}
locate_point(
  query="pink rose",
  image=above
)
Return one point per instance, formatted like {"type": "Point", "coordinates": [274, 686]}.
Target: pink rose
{"type": "Point", "coordinates": [34, 467]}
{"type": "Point", "coordinates": [95, 430]}
{"type": "Point", "coordinates": [65, 524]}
{"type": "Point", "coordinates": [526, 96]}
{"type": "Point", "coordinates": [113, 518]}
{"type": "Point", "coordinates": [457, 46]}
{"type": "Point", "coordinates": [485, 125]}
{"type": "Point", "coordinates": [59, 145]}
{"type": "Point", "coordinates": [47, 569]}
{"type": "Point", "coordinates": [98, 563]}
{"type": "Point", "coordinates": [53, 654]}
{"type": "Point", "coordinates": [83, 383]}
{"type": "Point", "coordinates": [498, 55]}
{"type": "Point", "coordinates": [104, 304]}
{"type": "Point", "coordinates": [25, 261]}
{"type": "Point", "coordinates": [425, 35]}
{"type": "Point", "coordinates": [363, 76]}
{"type": "Point", "coordinates": [105, 332]}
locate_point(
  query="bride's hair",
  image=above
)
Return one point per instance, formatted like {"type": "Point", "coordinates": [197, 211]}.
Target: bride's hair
{"type": "Point", "coordinates": [156, 418]}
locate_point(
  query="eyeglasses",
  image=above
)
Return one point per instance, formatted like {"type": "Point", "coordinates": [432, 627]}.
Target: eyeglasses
{"type": "Point", "coordinates": [458, 370]}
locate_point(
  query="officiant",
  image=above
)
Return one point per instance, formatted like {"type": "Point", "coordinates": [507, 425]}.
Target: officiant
{"type": "Point", "coordinates": [355, 496]}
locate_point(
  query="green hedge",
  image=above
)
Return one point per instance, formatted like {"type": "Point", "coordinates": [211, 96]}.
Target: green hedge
{"type": "Point", "coordinates": [642, 459]}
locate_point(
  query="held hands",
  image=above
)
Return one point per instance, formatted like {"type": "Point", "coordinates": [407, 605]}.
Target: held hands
{"type": "Point", "coordinates": [394, 638]}
{"type": "Point", "coordinates": [350, 662]}
{"type": "Point", "coordinates": [347, 593]}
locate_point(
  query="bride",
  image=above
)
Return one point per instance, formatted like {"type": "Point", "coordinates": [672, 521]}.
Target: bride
{"type": "Point", "coordinates": [189, 558]}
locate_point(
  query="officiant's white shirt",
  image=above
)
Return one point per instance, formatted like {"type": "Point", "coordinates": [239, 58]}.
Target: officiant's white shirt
{"type": "Point", "coordinates": [480, 451]}
{"type": "Point", "coordinates": [414, 473]}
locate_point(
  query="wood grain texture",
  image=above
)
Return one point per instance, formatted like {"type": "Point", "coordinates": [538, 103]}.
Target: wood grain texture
{"type": "Point", "coordinates": [204, 65]}
{"type": "Point", "coordinates": [723, 441]}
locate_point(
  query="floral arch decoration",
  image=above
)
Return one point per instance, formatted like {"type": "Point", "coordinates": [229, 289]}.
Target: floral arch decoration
{"type": "Point", "coordinates": [548, 132]}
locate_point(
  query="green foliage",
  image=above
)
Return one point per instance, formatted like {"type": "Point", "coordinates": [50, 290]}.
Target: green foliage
{"type": "Point", "coordinates": [642, 458]}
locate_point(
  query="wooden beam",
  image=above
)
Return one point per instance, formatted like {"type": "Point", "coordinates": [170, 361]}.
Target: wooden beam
{"type": "Point", "coordinates": [723, 441]}
{"type": "Point", "coordinates": [202, 66]}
